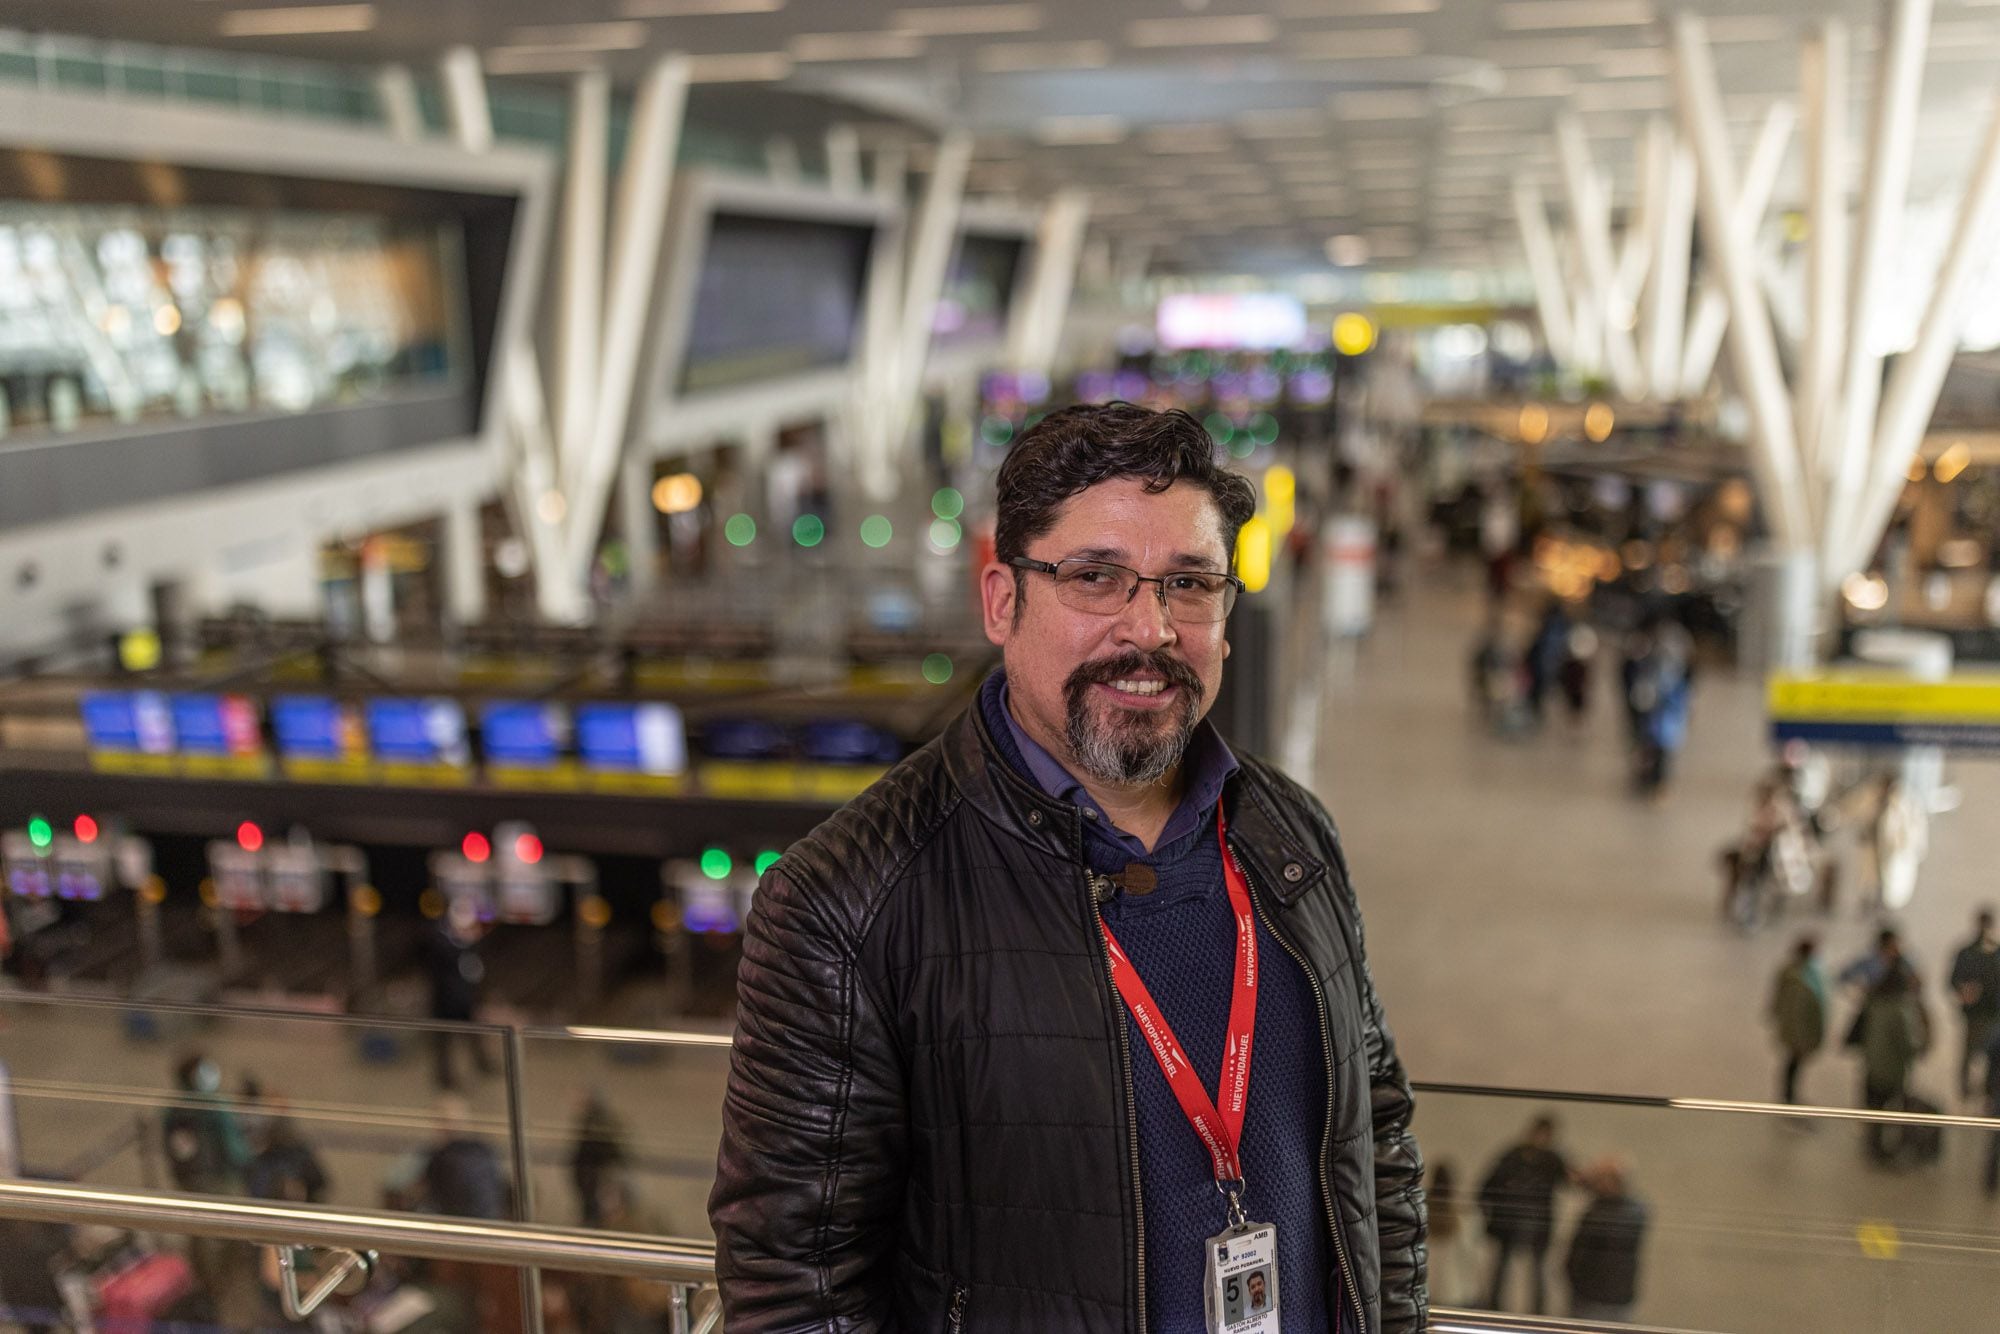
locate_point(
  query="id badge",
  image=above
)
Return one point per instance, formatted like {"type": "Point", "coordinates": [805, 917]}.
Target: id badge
{"type": "Point", "coordinates": [1243, 1280]}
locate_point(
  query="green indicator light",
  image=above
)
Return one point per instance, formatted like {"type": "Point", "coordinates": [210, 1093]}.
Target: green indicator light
{"type": "Point", "coordinates": [948, 503]}
{"type": "Point", "coordinates": [808, 530]}
{"type": "Point", "coordinates": [741, 530]}
{"type": "Point", "coordinates": [937, 668]}
{"type": "Point", "coordinates": [41, 833]}
{"type": "Point", "coordinates": [1242, 447]}
{"type": "Point", "coordinates": [765, 860]}
{"type": "Point", "coordinates": [945, 534]}
{"type": "Point", "coordinates": [996, 431]}
{"type": "Point", "coordinates": [1264, 429]}
{"type": "Point", "coordinates": [875, 531]}
{"type": "Point", "coordinates": [715, 864]}
{"type": "Point", "coordinates": [1220, 428]}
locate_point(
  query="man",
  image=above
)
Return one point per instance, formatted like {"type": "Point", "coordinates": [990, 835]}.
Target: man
{"type": "Point", "coordinates": [1975, 980]}
{"type": "Point", "coordinates": [1260, 1294]}
{"type": "Point", "coordinates": [1798, 1011]}
{"type": "Point", "coordinates": [1518, 1199]}
{"type": "Point", "coordinates": [1604, 1253]}
{"type": "Point", "coordinates": [941, 1107]}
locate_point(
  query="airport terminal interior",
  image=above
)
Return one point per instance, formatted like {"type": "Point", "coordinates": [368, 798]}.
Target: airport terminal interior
{"type": "Point", "coordinates": [480, 481]}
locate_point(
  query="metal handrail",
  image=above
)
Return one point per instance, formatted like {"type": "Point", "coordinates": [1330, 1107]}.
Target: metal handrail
{"type": "Point", "coordinates": [681, 1262]}
{"type": "Point", "coordinates": [418, 1236]}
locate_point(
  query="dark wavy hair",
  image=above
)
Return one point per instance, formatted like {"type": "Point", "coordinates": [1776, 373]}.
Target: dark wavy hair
{"type": "Point", "coordinates": [1075, 448]}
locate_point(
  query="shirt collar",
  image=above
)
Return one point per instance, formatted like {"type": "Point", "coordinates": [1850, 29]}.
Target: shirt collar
{"type": "Point", "coordinates": [1207, 766]}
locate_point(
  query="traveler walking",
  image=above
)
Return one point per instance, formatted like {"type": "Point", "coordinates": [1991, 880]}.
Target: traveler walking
{"type": "Point", "coordinates": [1603, 1266]}
{"type": "Point", "coordinates": [1798, 1012]}
{"type": "Point", "coordinates": [457, 977]}
{"type": "Point", "coordinates": [1455, 1274]}
{"type": "Point", "coordinates": [1975, 982]}
{"type": "Point", "coordinates": [995, 1027]}
{"type": "Point", "coordinates": [1518, 1199]}
{"type": "Point", "coordinates": [1893, 1034]}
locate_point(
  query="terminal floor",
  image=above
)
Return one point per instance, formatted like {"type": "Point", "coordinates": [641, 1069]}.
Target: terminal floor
{"type": "Point", "coordinates": [1530, 925]}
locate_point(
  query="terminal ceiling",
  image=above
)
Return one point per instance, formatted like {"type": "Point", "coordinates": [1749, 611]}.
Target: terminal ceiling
{"type": "Point", "coordinates": [1221, 135]}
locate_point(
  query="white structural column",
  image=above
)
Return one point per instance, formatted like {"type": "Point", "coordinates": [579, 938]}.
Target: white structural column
{"type": "Point", "coordinates": [931, 243]}
{"type": "Point", "coordinates": [843, 159]}
{"type": "Point", "coordinates": [638, 519]}
{"type": "Point", "coordinates": [1531, 214]}
{"type": "Point", "coordinates": [1891, 143]}
{"type": "Point", "coordinates": [1753, 200]}
{"type": "Point", "coordinates": [1590, 216]}
{"type": "Point", "coordinates": [1663, 317]}
{"type": "Point", "coordinates": [1774, 444]}
{"type": "Point", "coordinates": [465, 98]}
{"type": "Point", "coordinates": [1919, 375]}
{"type": "Point", "coordinates": [874, 384]}
{"type": "Point", "coordinates": [781, 159]}
{"type": "Point", "coordinates": [536, 502]}
{"type": "Point", "coordinates": [396, 94]}
{"type": "Point", "coordinates": [1823, 90]}
{"type": "Point", "coordinates": [638, 224]}
{"type": "Point", "coordinates": [464, 562]}
{"type": "Point", "coordinates": [580, 271]}
{"type": "Point", "coordinates": [1037, 326]}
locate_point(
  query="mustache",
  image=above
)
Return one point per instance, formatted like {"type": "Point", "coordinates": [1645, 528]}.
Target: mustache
{"type": "Point", "coordinates": [1158, 662]}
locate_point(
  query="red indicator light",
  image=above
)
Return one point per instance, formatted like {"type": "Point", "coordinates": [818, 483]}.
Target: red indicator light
{"type": "Point", "coordinates": [475, 847]}
{"type": "Point", "coordinates": [528, 849]}
{"type": "Point", "coordinates": [249, 837]}
{"type": "Point", "coordinates": [86, 829]}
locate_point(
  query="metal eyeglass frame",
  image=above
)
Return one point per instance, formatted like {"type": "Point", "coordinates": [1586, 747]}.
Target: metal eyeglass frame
{"type": "Point", "coordinates": [1054, 570]}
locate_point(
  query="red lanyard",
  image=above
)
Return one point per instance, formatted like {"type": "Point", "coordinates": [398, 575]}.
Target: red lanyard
{"type": "Point", "coordinates": [1220, 1130]}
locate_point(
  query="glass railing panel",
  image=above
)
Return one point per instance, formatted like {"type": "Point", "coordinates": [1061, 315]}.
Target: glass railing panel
{"type": "Point", "coordinates": [623, 1127]}
{"type": "Point", "coordinates": [259, 1104]}
{"type": "Point", "coordinates": [1752, 1219]}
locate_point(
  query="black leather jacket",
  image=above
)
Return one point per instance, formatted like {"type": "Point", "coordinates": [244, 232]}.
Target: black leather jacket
{"type": "Point", "coordinates": [929, 1122]}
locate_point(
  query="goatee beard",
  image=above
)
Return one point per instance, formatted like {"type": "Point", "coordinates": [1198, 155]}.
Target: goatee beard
{"type": "Point", "coordinates": [1130, 748]}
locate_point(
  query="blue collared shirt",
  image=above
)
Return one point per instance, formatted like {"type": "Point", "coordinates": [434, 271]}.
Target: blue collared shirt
{"type": "Point", "coordinates": [1207, 767]}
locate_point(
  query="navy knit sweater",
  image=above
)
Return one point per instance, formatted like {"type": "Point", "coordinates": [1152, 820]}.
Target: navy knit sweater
{"type": "Point", "coordinates": [1182, 938]}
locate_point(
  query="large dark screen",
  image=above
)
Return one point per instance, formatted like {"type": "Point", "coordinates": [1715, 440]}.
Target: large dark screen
{"type": "Point", "coordinates": [979, 290]}
{"type": "Point", "coordinates": [778, 296]}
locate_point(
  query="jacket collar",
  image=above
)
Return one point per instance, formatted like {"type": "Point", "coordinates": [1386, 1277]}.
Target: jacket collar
{"type": "Point", "coordinates": [1272, 850]}
{"type": "Point", "coordinates": [974, 761]}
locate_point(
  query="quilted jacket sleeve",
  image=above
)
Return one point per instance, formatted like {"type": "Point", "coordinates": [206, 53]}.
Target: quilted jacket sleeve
{"type": "Point", "coordinates": [1399, 1167]}
{"type": "Point", "coordinates": [809, 1179]}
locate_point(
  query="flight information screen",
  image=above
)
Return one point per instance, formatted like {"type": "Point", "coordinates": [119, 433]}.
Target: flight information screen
{"type": "Point", "coordinates": [418, 731]}
{"type": "Point", "coordinates": [136, 721]}
{"type": "Point", "coordinates": [633, 738]}
{"type": "Point", "coordinates": [216, 725]}
{"type": "Point", "coordinates": [777, 296]}
{"type": "Point", "coordinates": [523, 735]}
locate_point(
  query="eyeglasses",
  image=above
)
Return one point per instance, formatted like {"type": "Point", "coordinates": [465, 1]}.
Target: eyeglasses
{"type": "Point", "coordinates": [1192, 597]}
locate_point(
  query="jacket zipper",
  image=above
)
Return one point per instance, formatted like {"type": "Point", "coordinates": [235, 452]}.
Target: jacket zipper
{"type": "Point", "coordinates": [1353, 1289]}
{"type": "Point", "coordinates": [954, 1321]}
{"type": "Point", "coordinates": [1092, 883]}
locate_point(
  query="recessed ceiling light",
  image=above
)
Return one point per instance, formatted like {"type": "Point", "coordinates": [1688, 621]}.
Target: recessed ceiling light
{"type": "Point", "coordinates": [962, 20]}
{"type": "Point", "coordinates": [1355, 44]}
{"type": "Point", "coordinates": [739, 67]}
{"type": "Point", "coordinates": [629, 35]}
{"type": "Point", "coordinates": [1521, 15]}
{"type": "Point", "coordinates": [297, 21]}
{"type": "Point", "coordinates": [1221, 30]}
{"type": "Point", "coordinates": [1006, 57]}
{"type": "Point", "coordinates": [1383, 104]}
{"type": "Point", "coordinates": [688, 9]}
{"type": "Point", "coordinates": [541, 60]}
{"type": "Point", "coordinates": [1079, 130]}
{"type": "Point", "coordinates": [834, 46]}
{"type": "Point", "coordinates": [1342, 9]}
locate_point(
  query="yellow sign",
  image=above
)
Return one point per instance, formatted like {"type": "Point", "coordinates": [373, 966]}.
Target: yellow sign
{"type": "Point", "coordinates": [1962, 699]}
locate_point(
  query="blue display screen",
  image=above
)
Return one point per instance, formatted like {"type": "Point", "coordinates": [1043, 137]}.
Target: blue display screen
{"type": "Point", "coordinates": [744, 739]}
{"type": "Point", "coordinates": [845, 742]}
{"type": "Point", "coordinates": [418, 731]}
{"type": "Point", "coordinates": [308, 727]}
{"type": "Point", "coordinates": [133, 721]}
{"type": "Point", "coordinates": [522, 734]}
{"type": "Point", "coordinates": [642, 738]}
{"type": "Point", "coordinates": [216, 725]}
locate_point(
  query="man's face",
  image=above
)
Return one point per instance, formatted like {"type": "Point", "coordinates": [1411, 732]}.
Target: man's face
{"type": "Point", "coordinates": [1114, 696]}
{"type": "Point", "coordinates": [1256, 1286]}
